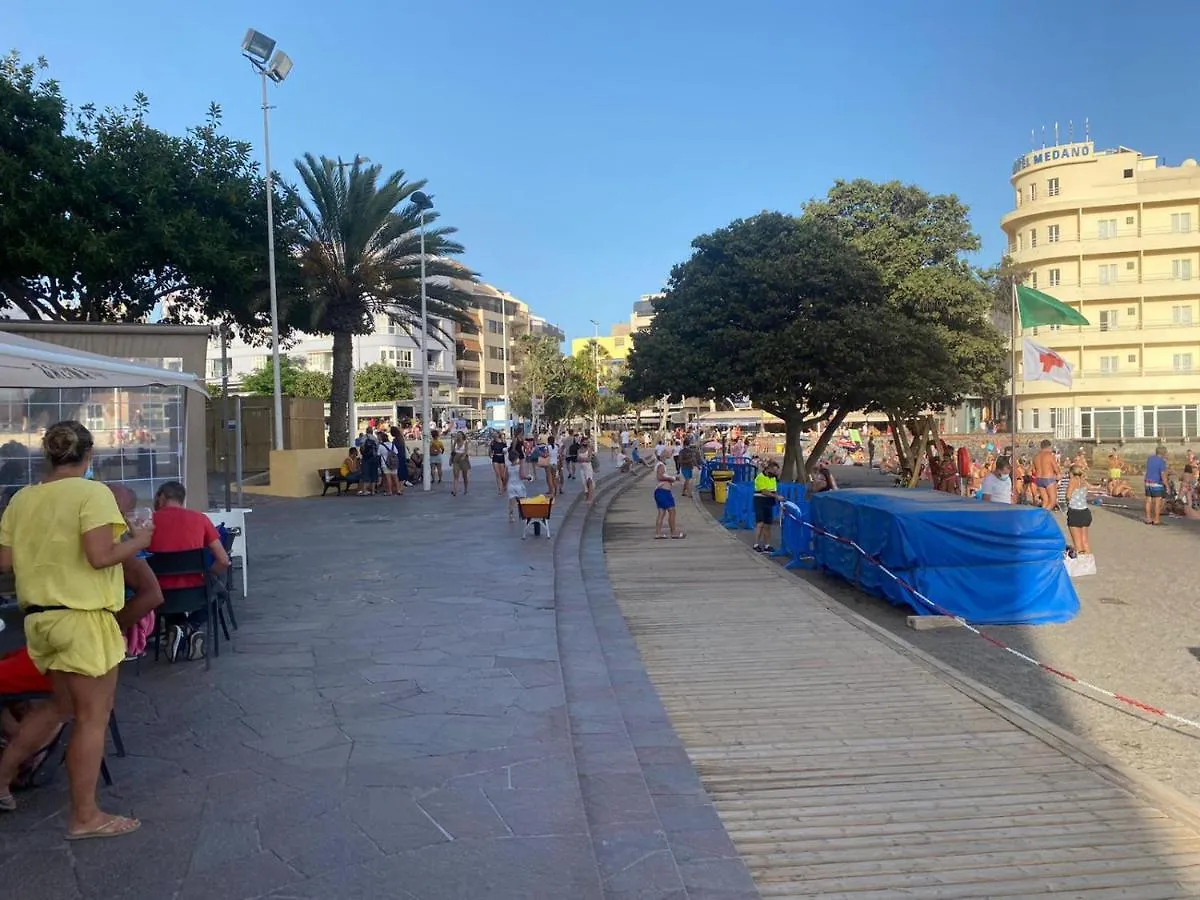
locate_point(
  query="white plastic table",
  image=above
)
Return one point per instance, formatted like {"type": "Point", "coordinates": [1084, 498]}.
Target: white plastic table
{"type": "Point", "coordinates": [235, 518]}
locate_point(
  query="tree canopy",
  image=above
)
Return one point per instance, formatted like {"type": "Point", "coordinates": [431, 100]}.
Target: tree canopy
{"type": "Point", "coordinates": [360, 257]}
{"type": "Point", "coordinates": [381, 383]}
{"type": "Point", "coordinates": [294, 380]}
{"type": "Point", "coordinates": [917, 244]}
{"type": "Point", "coordinates": [777, 307]}
{"type": "Point", "coordinates": [103, 217]}
{"type": "Point", "coordinates": [543, 371]}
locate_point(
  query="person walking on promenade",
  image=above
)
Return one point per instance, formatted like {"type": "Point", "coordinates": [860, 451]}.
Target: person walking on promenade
{"type": "Point", "coordinates": [766, 496]}
{"type": "Point", "coordinates": [369, 451]}
{"type": "Point", "coordinates": [1046, 473]}
{"type": "Point", "coordinates": [515, 484]}
{"type": "Point", "coordinates": [390, 459]}
{"type": "Point", "coordinates": [460, 462]}
{"type": "Point", "coordinates": [573, 440]}
{"type": "Point", "coordinates": [584, 466]}
{"type": "Point", "coordinates": [997, 484]}
{"type": "Point", "coordinates": [437, 449]}
{"type": "Point", "coordinates": [1156, 485]}
{"type": "Point", "coordinates": [871, 451]}
{"type": "Point", "coordinates": [1079, 516]}
{"type": "Point", "coordinates": [664, 501]}
{"type": "Point", "coordinates": [687, 457]}
{"type": "Point", "coordinates": [496, 450]}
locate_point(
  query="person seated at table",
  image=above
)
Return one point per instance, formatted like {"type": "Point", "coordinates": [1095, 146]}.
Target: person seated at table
{"type": "Point", "coordinates": [62, 540]}
{"type": "Point", "coordinates": [176, 529]}
{"type": "Point", "coordinates": [352, 467]}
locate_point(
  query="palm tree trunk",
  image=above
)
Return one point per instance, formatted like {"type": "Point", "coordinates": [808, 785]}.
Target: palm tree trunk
{"type": "Point", "coordinates": [339, 393]}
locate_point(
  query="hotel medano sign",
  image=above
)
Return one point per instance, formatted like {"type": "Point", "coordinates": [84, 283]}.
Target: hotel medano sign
{"type": "Point", "coordinates": [1063, 153]}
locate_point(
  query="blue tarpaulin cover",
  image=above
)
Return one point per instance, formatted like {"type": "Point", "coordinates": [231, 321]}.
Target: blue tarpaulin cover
{"type": "Point", "coordinates": [990, 563]}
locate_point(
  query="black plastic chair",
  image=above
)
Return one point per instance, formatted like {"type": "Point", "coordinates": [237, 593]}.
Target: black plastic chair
{"type": "Point", "coordinates": [47, 771]}
{"type": "Point", "coordinates": [224, 585]}
{"type": "Point", "coordinates": [189, 599]}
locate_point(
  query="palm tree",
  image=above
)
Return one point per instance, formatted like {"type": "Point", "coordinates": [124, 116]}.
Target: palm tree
{"type": "Point", "coordinates": [360, 257]}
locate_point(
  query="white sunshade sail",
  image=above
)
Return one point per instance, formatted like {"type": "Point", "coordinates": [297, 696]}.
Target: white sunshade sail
{"type": "Point", "coordinates": [26, 363]}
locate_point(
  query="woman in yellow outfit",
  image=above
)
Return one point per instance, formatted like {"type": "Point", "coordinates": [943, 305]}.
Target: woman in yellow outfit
{"type": "Point", "coordinates": [62, 540]}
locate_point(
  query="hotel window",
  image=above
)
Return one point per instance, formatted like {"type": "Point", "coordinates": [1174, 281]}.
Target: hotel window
{"type": "Point", "coordinates": [495, 352]}
{"type": "Point", "coordinates": [1181, 315]}
{"type": "Point", "coordinates": [1106, 228]}
{"type": "Point", "coordinates": [1128, 173]}
{"type": "Point", "coordinates": [1108, 365]}
{"type": "Point", "coordinates": [1032, 237]}
{"type": "Point", "coordinates": [401, 359]}
{"type": "Point", "coordinates": [619, 342]}
{"type": "Point", "coordinates": [1181, 362]}
{"type": "Point", "coordinates": [1020, 241]}
{"type": "Point", "coordinates": [1036, 416]}
{"type": "Point", "coordinates": [1181, 223]}
{"type": "Point", "coordinates": [258, 362]}
{"type": "Point", "coordinates": [1033, 280]}
{"type": "Point", "coordinates": [1033, 191]}
{"type": "Point", "coordinates": [1108, 320]}
{"type": "Point", "coordinates": [321, 362]}
{"type": "Point", "coordinates": [1107, 273]}
{"type": "Point", "coordinates": [1181, 269]}
{"type": "Point", "coordinates": [1018, 196]}
{"type": "Point", "coordinates": [496, 378]}
{"type": "Point", "coordinates": [495, 327]}
{"type": "Point", "coordinates": [1052, 187]}
{"type": "Point", "coordinates": [1131, 358]}
{"type": "Point", "coordinates": [1055, 277]}
{"type": "Point", "coordinates": [1052, 234]}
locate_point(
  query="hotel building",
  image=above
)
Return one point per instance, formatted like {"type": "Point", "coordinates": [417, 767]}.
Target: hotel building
{"type": "Point", "coordinates": [1116, 235]}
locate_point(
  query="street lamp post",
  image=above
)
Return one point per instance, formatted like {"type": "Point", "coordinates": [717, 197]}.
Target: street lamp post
{"type": "Point", "coordinates": [275, 65]}
{"type": "Point", "coordinates": [507, 366]}
{"type": "Point", "coordinates": [422, 202]}
{"type": "Point", "coordinates": [596, 367]}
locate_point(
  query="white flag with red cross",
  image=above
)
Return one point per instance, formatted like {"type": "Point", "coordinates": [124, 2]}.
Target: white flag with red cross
{"type": "Point", "coordinates": [1043, 364]}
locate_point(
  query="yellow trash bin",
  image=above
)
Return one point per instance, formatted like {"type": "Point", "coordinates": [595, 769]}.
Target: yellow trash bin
{"type": "Point", "coordinates": [721, 479]}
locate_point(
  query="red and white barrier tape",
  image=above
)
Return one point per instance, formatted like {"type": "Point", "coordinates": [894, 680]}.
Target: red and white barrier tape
{"type": "Point", "coordinates": [996, 642]}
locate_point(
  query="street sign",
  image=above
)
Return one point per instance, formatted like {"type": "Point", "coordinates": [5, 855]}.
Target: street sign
{"type": "Point", "coordinates": [539, 405]}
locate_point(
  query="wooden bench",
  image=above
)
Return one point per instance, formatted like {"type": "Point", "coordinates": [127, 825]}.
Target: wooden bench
{"type": "Point", "coordinates": [332, 478]}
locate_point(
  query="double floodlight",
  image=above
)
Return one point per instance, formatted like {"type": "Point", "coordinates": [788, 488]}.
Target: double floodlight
{"type": "Point", "coordinates": [260, 50]}
{"type": "Point", "coordinates": [421, 200]}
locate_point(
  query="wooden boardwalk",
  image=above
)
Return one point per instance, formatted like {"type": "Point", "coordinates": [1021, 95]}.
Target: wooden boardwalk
{"type": "Point", "coordinates": [844, 766]}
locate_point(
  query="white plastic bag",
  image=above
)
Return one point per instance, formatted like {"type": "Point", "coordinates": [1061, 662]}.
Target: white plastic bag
{"type": "Point", "coordinates": [1078, 566]}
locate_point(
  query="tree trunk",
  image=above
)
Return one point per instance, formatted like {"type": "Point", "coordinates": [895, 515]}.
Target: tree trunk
{"type": "Point", "coordinates": [823, 441]}
{"type": "Point", "coordinates": [793, 455]}
{"type": "Point", "coordinates": [339, 393]}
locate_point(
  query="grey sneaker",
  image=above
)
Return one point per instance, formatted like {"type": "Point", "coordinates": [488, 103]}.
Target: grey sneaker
{"type": "Point", "coordinates": [195, 645]}
{"type": "Point", "coordinates": [174, 642]}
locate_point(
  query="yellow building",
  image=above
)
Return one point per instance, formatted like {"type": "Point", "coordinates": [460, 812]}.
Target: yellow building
{"type": "Point", "coordinates": [619, 341]}
{"type": "Point", "coordinates": [1115, 234]}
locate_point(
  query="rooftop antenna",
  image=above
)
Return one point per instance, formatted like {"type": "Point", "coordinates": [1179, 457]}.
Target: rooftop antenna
{"type": "Point", "coordinates": [1070, 131]}
{"type": "Point", "coordinates": [1087, 129]}
{"type": "Point", "coordinates": [1055, 134]}
{"type": "Point", "coordinates": [1043, 137]}
{"type": "Point", "coordinates": [1032, 139]}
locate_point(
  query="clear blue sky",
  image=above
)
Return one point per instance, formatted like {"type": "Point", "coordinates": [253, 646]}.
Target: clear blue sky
{"type": "Point", "coordinates": [579, 147]}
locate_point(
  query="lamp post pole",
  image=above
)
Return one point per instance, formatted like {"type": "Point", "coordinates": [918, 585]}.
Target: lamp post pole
{"type": "Point", "coordinates": [278, 386]}
{"type": "Point", "coordinates": [596, 368]}
{"type": "Point", "coordinates": [423, 203]}
{"type": "Point", "coordinates": [507, 368]}
{"type": "Point", "coordinates": [275, 65]}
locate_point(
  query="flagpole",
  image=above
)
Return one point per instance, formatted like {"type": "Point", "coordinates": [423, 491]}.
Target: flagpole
{"type": "Point", "coordinates": [1012, 356]}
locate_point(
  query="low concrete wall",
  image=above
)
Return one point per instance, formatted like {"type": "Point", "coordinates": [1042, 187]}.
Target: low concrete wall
{"type": "Point", "coordinates": [294, 472]}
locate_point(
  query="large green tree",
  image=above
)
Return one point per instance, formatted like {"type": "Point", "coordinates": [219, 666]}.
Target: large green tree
{"type": "Point", "coordinates": [917, 244]}
{"type": "Point", "coordinates": [294, 380]}
{"type": "Point", "coordinates": [381, 383]}
{"type": "Point", "coordinates": [103, 217]}
{"type": "Point", "coordinates": [777, 307]}
{"type": "Point", "coordinates": [360, 257]}
{"type": "Point", "coordinates": [543, 371]}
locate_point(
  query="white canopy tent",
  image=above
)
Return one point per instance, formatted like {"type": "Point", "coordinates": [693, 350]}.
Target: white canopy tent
{"type": "Point", "coordinates": [26, 363]}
